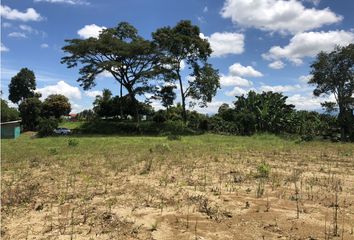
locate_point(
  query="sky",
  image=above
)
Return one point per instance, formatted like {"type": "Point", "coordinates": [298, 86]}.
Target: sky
{"type": "Point", "coordinates": [260, 45]}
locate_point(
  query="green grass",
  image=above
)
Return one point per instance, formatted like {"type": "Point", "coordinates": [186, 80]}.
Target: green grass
{"type": "Point", "coordinates": [70, 125]}
{"type": "Point", "coordinates": [25, 147]}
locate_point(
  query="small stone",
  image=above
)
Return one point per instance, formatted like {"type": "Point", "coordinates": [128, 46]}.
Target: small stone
{"type": "Point", "coordinates": [38, 206]}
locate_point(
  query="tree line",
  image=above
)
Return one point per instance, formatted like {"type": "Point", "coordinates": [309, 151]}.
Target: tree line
{"type": "Point", "coordinates": [153, 67]}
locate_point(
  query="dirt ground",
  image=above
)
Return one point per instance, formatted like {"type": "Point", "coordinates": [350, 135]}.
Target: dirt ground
{"type": "Point", "coordinates": [179, 190]}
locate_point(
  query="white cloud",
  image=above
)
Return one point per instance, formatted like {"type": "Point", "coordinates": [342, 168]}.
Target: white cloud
{"type": "Point", "coordinates": [76, 108]}
{"type": "Point", "coordinates": [14, 14]}
{"type": "Point", "coordinates": [93, 94]}
{"type": "Point", "coordinates": [225, 43]}
{"type": "Point", "coordinates": [26, 28]}
{"type": "Point", "coordinates": [182, 65]}
{"type": "Point", "coordinates": [277, 64]}
{"type": "Point", "coordinates": [17, 35]}
{"type": "Point", "coordinates": [70, 2]}
{"type": "Point", "coordinates": [6, 25]}
{"type": "Point", "coordinates": [238, 70]}
{"type": "Point", "coordinates": [314, 2]}
{"type": "Point", "coordinates": [44, 45]}
{"type": "Point", "coordinates": [90, 31]}
{"type": "Point", "coordinates": [234, 81]}
{"type": "Point", "coordinates": [236, 91]}
{"type": "Point", "coordinates": [280, 88]}
{"type": "Point", "coordinates": [3, 48]}
{"type": "Point", "coordinates": [63, 88]}
{"type": "Point", "coordinates": [205, 9]}
{"type": "Point", "coordinates": [309, 44]}
{"type": "Point", "coordinates": [308, 101]}
{"type": "Point", "coordinates": [305, 78]}
{"type": "Point", "coordinates": [277, 15]}
{"type": "Point", "coordinates": [212, 107]}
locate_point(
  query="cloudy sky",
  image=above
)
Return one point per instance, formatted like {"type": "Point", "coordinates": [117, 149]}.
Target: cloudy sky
{"type": "Point", "coordinates": [261, 45]}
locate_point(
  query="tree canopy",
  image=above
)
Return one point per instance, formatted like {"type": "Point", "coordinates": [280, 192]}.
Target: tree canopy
{"type": "Point", "coordinates": [22, 85]}
{"type": "Point", "coordinates": [128, 57]}
{"type": "Point", "coordinates": [183, 43]}
{"type": "Point", "coordinates": [56, 105]}
{"type": "Point", "coordinates": [333, 73]}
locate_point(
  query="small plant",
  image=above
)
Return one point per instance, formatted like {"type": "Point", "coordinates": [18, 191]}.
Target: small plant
{"type": "Point", "coordinates": [263, 170]}
{"type": "Point", "coordinates": [161, 148]}
{"type": "Point", "coordinates": [73, 142]}
{"type": "Point", "coordinates": [53, 151]}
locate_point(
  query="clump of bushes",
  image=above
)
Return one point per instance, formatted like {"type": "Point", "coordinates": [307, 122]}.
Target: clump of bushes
{"type": "Point", "coordinates": [46, 127]}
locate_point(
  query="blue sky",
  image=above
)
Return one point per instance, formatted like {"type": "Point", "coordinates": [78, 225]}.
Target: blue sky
{"type": "Point", "coordinates": [258, 45]}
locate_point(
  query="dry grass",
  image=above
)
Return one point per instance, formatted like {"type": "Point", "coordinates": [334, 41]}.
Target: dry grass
{"type": "Point", "coordinates": [202, 187]}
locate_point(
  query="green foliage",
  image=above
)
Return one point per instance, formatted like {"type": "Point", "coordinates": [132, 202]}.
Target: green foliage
{"type": "Point", "coordinates": [160, 116]}
{"type": "Point", "coordinates": [113, 107]}
{"type": "Point", "coordinates": [73, 142]}
{"type": "Point", "coordinates": [133, 128]}
{"type": "Point", "coordinates": [218, 125]}
{"type": "Point", "coordinates": [56, 105]}
{"type": "Point", "coordinates": [122, 52]}
{"type": "Point", "coordinates": [333, 73]}
{"type": "Point", "coordinates": [30, 112]}
{"type": "Point", "coordinates": [166, 95]}
{"type": "Point", "coordinates": [46, 127]}
{"type": "Point", "coordinates": [183, 43]}
{"type": "Point", "coordinates": [263, 170]}
{"type": "Point", "coordinates": [8, 113]}
{"type": "Point", "coordinates": [22, 86]}
{"type": "Point", "coordinates": [270, 111]}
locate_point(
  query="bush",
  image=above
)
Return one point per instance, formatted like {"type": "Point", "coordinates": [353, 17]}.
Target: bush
{"type": "Point", "coordinates": [160, 116]}
{"type": "Point", "coordinates": [46, 126]}
{"type": "Point", "coordinates": [263, 170]}
{"type": "Point", "coordinates": [133, 128]}
{"type": "Point", "coordinates": [220, 126]}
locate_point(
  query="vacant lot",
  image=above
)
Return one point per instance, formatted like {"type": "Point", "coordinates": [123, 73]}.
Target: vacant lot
{"type": "Point", "coordinates": [199, 187]}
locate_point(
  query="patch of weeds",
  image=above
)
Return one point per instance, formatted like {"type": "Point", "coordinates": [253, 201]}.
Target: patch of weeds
{"type": "Point", "coordinates": [53, 151]}
{"type": "Point", "coordinates": [263, 170]}
{"type": "Point", "coordinates": [161, 148]}
{"type": "Point", "coordinates": [174, 137]}
{"type": "Point", "coordinates": [73, 142]}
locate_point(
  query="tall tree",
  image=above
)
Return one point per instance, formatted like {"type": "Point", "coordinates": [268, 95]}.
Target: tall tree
{"type": "Point", "coordinates": [22, 85]}
{"type": "Point", "coordinates": [129, 58]}
{"type": "Point", "coordinates": [183, 43]}
{"type": "Point", "coordinates": [333, 73]}
{"type": "Point", "coordinates": [56, 105]}
{"type": "Point", "coordinates": [8, 113]}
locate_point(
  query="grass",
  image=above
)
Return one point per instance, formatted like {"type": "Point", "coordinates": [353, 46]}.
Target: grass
{"type": "Point", "coordinates": [71, 125]}
{"type": "Point", "coordinates": [120, 186]}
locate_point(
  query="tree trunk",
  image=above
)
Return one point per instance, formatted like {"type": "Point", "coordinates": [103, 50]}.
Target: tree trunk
{"type": "Point", "coordinates": [135, 104]}
{"type": "Point", "coordinates": [184, 113]}
{"type": "Point", "coordinates": [342, 123]}
{"type": "Point", "coordinates": [120, 105]}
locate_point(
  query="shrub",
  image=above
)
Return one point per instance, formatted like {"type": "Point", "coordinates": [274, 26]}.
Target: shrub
{"type": "Point", "coordinates": [160, 116]}
{"type": "Point", "coordinates": [263, 170]}
{"type": "Point", "coordinates": [46, 126]}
